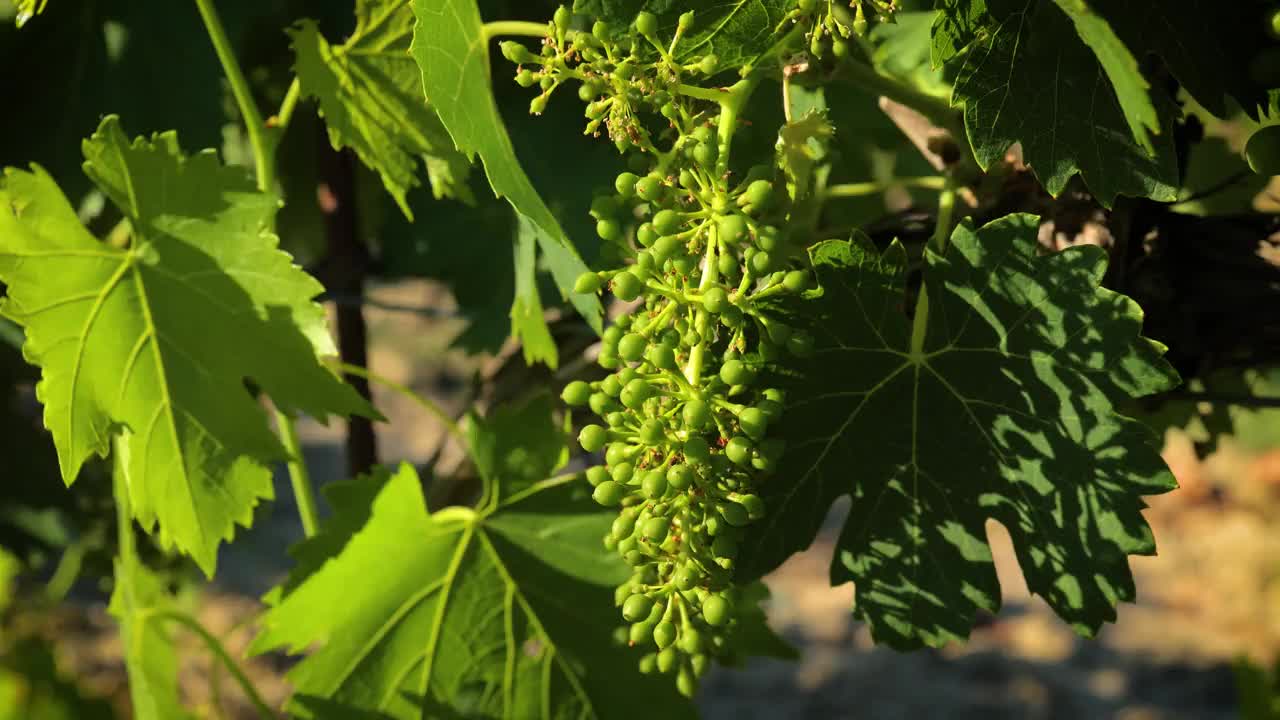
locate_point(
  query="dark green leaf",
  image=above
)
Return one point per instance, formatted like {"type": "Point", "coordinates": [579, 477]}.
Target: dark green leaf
{"type": "Point", "coordinates": [1004, 412]}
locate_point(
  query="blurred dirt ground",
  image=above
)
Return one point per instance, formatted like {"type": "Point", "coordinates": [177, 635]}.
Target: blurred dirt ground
{"type": "Point", "coordinates": [1209, 596]}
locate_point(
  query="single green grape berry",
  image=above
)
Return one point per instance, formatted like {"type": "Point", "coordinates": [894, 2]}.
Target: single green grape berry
{"type": "Point", "coordinates": [771, 409]}
{"type": "Point", "coordinates": [668, 660]}
{"type": "Point", "coordinates": [616, 453]}
{"type": "Point", "coordinates": [687, 179]}
{"type": "Point", "coordinates": [516, 52]}
{"type": "Point", "coordinates": [650, 188]}
{"type": "Point", "coordinates": [611, 386]}
{"type": "Point", "coordinates": [663, 357]}
{"type": "Point", "coordinates": [699, 664]}
{"type": "Point", "coordinates": [600, 30]}
{"type": "Point", "coordinates": [646, 234]}
{"type": "Point", "coordinates": [775, 394]}
{"type": "Point", "coordinates": [636, 392]}
{"type": "Point", "coordinates": [714, 525]}
{"type": "Point", "coordinates": [696, 450]}
{"type": "Point", "coordinates": [597, 474]}
{"type": "Point", "coordinates": [753, 504]}
{"type": "Point", "coordinates": [637, 607]}
{"type": "Point", "coordinates": [665, 247]}
{"type": "Point", "coordinates": [654, 486]}
{"type": "Point", "coordinates": [623, 591]}
{"type": "Point", "coordinates": [779, 333]}
{"type": "Point", "coordinates": [623, 525]}
{"type": "Point", "coordinates": [686, 578]}
{"type": "Point", "coordinates": [646, 24]}
{"type": "Point", "coordinates": [624, 70]}
{"type": "Point", "coordinates": [715, 300]}
{"type": "Point", "coordinates": [728, 265]}
{"type": "Point", "coordinates": [680, 477]}
{"type": "Point", "coordinates": [738, 450]}
{"type": "Point", "coordinates": [600, 404]}
{"type": "Point", "coordinates": [525, 78]}
{"type": "Point", "coordinates": [611, 335]}
{"type": "Point", "coordinates": [635, 558]}
{"type": "Point", "coordinates": [686, 683]}
{"type": "Point", "coordinates": [753, 422]}
{"type": "Point", "coordinates": [652, 432]}
{"type": "Point", "coordinates": [656, 528]}
{"type": "Point", "coordinates": [622, 472]}
{"type": "Point", "coordinates": [639, 632]}
{"type": "Point", "coordinates": [562, 17]}
{"type": "Point", "coordinates": [685, 21]}
{"type": "Point", "coordinates": [709, 64]}
{"type": "Point", "coordinates": [684, 264]}
{"type": "Point", "coordinates": [588, 91]}
{"type": "Point", "coordinates": [670, 111]}
{"type": "Point", "coordinates": [692, 641]}
{"type": "Point", "coordinates": [734, 514]}
{"type": "Point", "coordinates": [576, 393]}
{"type": "Point", "coordinates": [735, 372]}
{"type": "Point", "coordinates": [538, 105]}
{"type": "Point", "coordinates": [733, 228]}
{"type": "Point", "coordinates": [592, 438]}
{"type": "Point", "coordinates": [609, 229]}
{"type": "Point", "coordinates": [649, 663]}
{"type": "Point", "coordinates": [716, 610]}
{"type": "Point", "coordinates": [631, 347]}
{"type": "Point", "coordinates": [625, 183]}
{"type": "Point", "coordinates": [588, 282]}
{"type": "Point", "coordinates": [664, 634]}
{"type": "Point", "coordinates": [645, 261]}
{"type": "Point", "coordinates": [762, 262]}
{"type": "Point", "coordinates": [767, 238]}
{"type": "Point", "coordinates": [626, 545]}
{"type": "Point", "coordinates": [609, 493]}
{"type": "Point", "coordinates": [626, 286]}
{"type": "Point", "coordinates": [796, 280]}
{"type": "Point", "coordinates": [806, 5]}
{"type": "Point", "coordinates": [703, 133]}
{"type": "Point", "coordinates": [705, 154]}
{"type": "Point", "coordinates": [667, 222]}
{"type": "Point", "coordinates": [800, 344]}
{"type": "Point", "coordinates": [696, 414]}
{"type": "Point", "coordinates": [603, 206]}
{"type": "Point", "coordinates": [759, 192]}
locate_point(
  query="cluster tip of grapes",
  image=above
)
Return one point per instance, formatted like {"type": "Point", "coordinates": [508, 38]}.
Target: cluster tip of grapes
{"type": "Point", "coordinates": [685, 418]}
{"type": "Point", "coordinates": [835, 24]}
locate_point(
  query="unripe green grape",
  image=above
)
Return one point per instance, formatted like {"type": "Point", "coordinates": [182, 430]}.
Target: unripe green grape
{"type": "Point", "coordinates": [646, 234]}
{"type": "Point", "coordinates": [588, 282]}
{"type": "Point", "coordinates": [687, 179]}
{"type": "Point", "coordinates": [622, 593]}
{"type": "Point", "coordinates": [696, 414]}
{"type": "Point", "coordinates": [609, 229]}
{"type": "Point", "coordinates": [621, 472]}
{"type": "Point", "coordinates": [714, 525]}
{"type": "Point", "coordinates": [806, 6]}
{"type": "Point", "coordinates": [516, 52]}
{"type": "Point", "coordinates": [588, 91]}
{"type": "Point", "coordinates": [753, 422]}
{"type": "Point", "coordinates": [767, 238]}
{"type": "Point", "coordinates": [635, 393]}
{"type": "Point", "coordinates": [601, 404]}
{"type": "Point", "coordinates": [652, 432]}
{"type": "Point", "coordinates": [800, 344]}
{"type": "Point", "coordinates": [627, 287]}
{"type": "Point", "coordinates": [611, 335]}
{"type": "Point", "coordinates": [732, 317]}
{"type": "Point", "coordinates": [656, 529]}
{"type": "Point", "coordinates": [592, 438]}
{"type": "Point", "coordinates": [538, 105]}
{"type": "Point", "coordinates": [735, 372]}
{"type": "Point", "coordinates": [709, 64]}
{"type": "Point", "coordinates": [637, 607]}
{"type": "Point", "coordinates": [686, 683]}
{"type": "Point", "coordinates": [705, 155]}
{"type": "Point", "coordinates": [727, 265]}
{"type": "Point", "coordinates": [670, 111]}
{"type": "Point", "coordinates": [609, 493]}
{"type": "Point", "coordinates": [716, 610]}
{"type": "Point", "coordinates": [734, 514]}
{"type": "Point", "coordinates": [603, 206]}
{"type": "Point", "coordinates": [715, 300]}
{"type": "Point", "coordinates": [665, 247]}
{"type": "Point", "coordinates": [611, 386]}
{"type": "Point", "coordinates": [646, 24]}
{"type": "Point", "coordinates": [692, 641]}
{"type": "Point", "coordinates": [616, 454]}
{"type": "Point", "coordinates": [663, 356]}
{"type": "Point", "coordinates": [624, 70]}
{"type": "Point", "coordinates": [738, 450]}
{"type": "Point", "coordinates": [680, 477]}
{"type": "Point", "coordinates": [650, 188]}
{"type": "Point", "coordinates": [600, 30]}
{"type": "Point", "coordinates": [525, 78]}
{"type": "Point", "coordinates": [625, 183]}
{"type": "Point", "coordinates": [640, 632]}
{"type": "Point", "coordinates": [759, 193]}
{"type": "Point", "coordinates": [562, 17]}
{"type": "Point", "coordinates": [649, 663]}
{"type": "Point", "coordinates": [631, 347]}
{"type": "Point", "coordinates": [733, 228]}
{"type": "Point", "coordinates": [683, 264]}
{"type": "Point", "coordinates": [779, 332]}
{"type": "Point", "coordinates": [576, 393]}
{"type": "Point", "coordinates": [597, 474]}
{"type": "Point", "coordinates": [668, 660]}
{"type": "Point", "coordinates": [667, 222]}
{"type": "Point", "coordinates": [699, 664]}
{"type": "Point", "coordinates": [686, 578]}
{"type": "Point", "coordinates": [762, 262]}
{"type": "Point", "coordinates": [796, 280]}
{"type": "Point", "coordinates": [771, 409]}
{"type": "Point", "coordinates": [626, 545]}
{"type": "Point", "coordinates": [664, 634]}
{"type": "Point", "coordinates": [623, 525]}
{"type": "Point", "coordinates": [753, 504]}
{"type": "Point", "coordinates": [696, 450]}
{"type": "Point", "coordinates": [654, 486]}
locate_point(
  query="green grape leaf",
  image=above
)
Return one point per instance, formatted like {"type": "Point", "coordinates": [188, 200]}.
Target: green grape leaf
{"type": "Point", "coordinates": [527, 321]}
{"type": "Point", "coordinates": [1075, 105]}
{"type": "Point", "coordinates": [1002, 409]}
{"type": "Point", "coordinates": [24, 10]}
{"type": "Point", "coordinates": [149, 654]}
{"type": "Point", "coordinates": [515, 447]}
{"type": "Point", "coordinates": [154, 341]}
{"type": "Point", "coordinates": [498, 613]}
{"type": "Point", "coordinates": [737, 32]}
{"type": "Point", "coordinates": [451, 50]}
{"type": "Point", "coordinates": [370, 94]}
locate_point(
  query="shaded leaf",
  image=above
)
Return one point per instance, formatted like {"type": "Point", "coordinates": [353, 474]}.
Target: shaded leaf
{"type": "Point", "coordinates": [1005, 412]}
{"type": "Point", "coordinates": [149, 654]}
{"type": "Point", "coordinates": [158, 338]}
{"type": "Point", "coordinates": [370, 94]}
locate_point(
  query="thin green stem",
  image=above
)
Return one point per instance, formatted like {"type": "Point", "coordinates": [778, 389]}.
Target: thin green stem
{"type": "Point", "coordinates": [701, 93]}
{"type": "Point", "coordinates": [425, 403]}
{"type": "Point", "coordinates": [124, 515]}
{"type": "Point", "coordinates": [517, 28]}
{"type": "Point", "coordinates": [938, 245]}
{"type": "Point", "coordinates": [262, 147]}
{"type": "Point", "coordinates": [219, 650]}
{"type": "Point", "coordinates": [928, 182]}
{"type": "Point", "coordinates": [280, 121]}
{"type": "Point", "coordinates": [938, 111]}
{"type": "Point", "coordinates": [55, 591]}
{"type": "Point", "coordinates": [303, 491]}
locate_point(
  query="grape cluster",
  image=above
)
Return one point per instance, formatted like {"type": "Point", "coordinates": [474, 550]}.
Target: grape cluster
{"type": "Point", "coordinates": [686, 420]}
